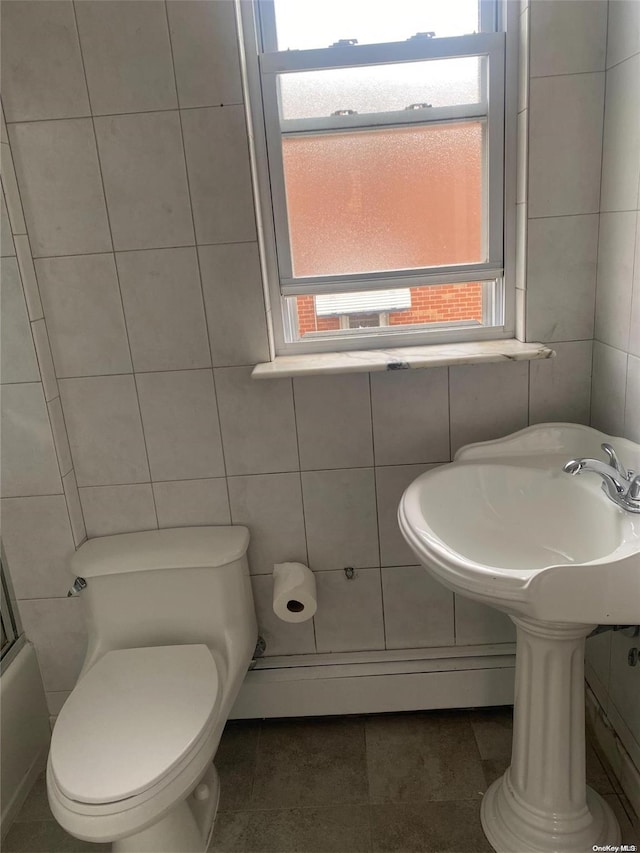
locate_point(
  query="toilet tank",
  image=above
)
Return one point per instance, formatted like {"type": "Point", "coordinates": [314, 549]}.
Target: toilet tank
{"type": "Point", "coordinates": [168, 587]}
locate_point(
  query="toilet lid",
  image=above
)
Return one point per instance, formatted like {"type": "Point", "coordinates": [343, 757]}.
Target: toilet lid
{"type": "Point", "coordinates": [131, 719]}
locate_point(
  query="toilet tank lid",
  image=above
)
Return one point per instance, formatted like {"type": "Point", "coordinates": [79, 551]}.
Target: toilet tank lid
{"type": "Point", "coordinates": [174, 548]}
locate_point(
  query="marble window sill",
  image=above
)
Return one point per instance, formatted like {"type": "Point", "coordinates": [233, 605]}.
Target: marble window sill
{"type": "Point", "coordinates": [401, 358]}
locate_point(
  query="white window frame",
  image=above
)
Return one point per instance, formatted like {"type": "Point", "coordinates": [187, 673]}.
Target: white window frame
{"type": "Point", "coordinates": [265, 134]}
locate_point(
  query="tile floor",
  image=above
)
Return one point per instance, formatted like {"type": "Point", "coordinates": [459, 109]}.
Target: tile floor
{"type": "Point", "coordinates": [399, 782]}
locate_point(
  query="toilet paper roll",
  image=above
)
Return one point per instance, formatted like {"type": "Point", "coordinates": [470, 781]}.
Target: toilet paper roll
{"type": "Point", "coordinates": [294, 592]}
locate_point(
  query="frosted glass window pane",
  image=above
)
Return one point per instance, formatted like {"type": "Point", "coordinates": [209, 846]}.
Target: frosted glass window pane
{"type": "Point", "coordinates": [303, 24]}
{"type": "Point", "coordinates": [380, 88]}
{"type": "Point", "coordinates": [397, 198]}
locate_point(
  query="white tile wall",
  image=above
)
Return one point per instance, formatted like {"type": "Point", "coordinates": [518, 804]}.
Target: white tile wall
{"type": "Point", "coordinates": [42, 74]}
{"type": "Point", "coordinates": [56, 628]}
{"type": "Point", "coordinates": [163, 306]}
{"type": "Point", "coordinates": [608, 389]}
{"type": "Point", "coordinates": [621, 160]}
{"type": "Point", "coordinates": [18, 361]}
{"type": "Point", "coordinates": [6, 241]}
{"type": "Point", "coordinates": [487, 401]}
{"type": "Point", "coordinates": [565, 144]}
{"type": "Point", "coordinates": [11, 192]}
{"type": "Point", "coordinates": [76, 518]}
{"type": "Point", "coordinates": [45, 360]}
{"type": "Point", "coordinates": [568, 37]}
{"type": "Point", "coordinates": [118, 509]}
{"type": "Point", "coordinates": [561, 277]}
{"type": "Point", "coordinates": [349, 615]}
{"type": "Point", "coordinates": [258, 423]}
{"type": "Point", "coordinates": [28, 457]}
{"type": "Point", "coordinates": [270, 505]}
{"type": "Point", "coordinates": [28, 275]}
{"type": "Point", "coordinates": [344, 503]}
{"type": "Point", "coordinates": [410, 416]}
{"type": "Point", "coordinates": [181, 426]}
{"type": "Point", "coordinates": [632, 402]}
{"type": "Point", "coordinates": [477, 624]}
{"type": "Point", "coordinates": [232, 285]}
{"type": "Point", "coordinates": [220, 186]}
{"type": "Point", "coordinates": [127, 55]}
{"type": "Point", "coordinates": [82, 304]}
{"type": "Point", "coordinates": [418, 611]}
{"type": "Point", "coordinates": [560, 387]}
{"type": "Point", "coordinates": [391, 482]}
{"type": "Point", "coordinates": [186, 503]}
{"type": "Point", "coordinates": [105, 430]}
{"type": "Point", "coordinates": [616, 249]}
{"type": "Point", "coordinates": [60, 437]}
{"type": "Point", "coordinates": [333, 417]}
{"type": "Point", "coordinates": [38, 543]}
{"type": "Point", "coordinates": [145, 179]}
{"type": "Point", "coordinates": [55, 160]}
{"type": "Point", "coordinates": [205, 52]}
{"type": "Point", "coordinates": [623, 36]}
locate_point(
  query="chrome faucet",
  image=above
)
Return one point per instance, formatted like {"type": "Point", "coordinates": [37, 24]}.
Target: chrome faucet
{"type": "Point", "coordinates": [619, 485]}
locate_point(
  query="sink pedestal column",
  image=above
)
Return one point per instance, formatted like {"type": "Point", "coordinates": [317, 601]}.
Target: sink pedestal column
{"type": "Point", "coordinates": [542, 802]}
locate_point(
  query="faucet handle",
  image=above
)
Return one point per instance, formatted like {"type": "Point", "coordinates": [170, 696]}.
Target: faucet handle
{"type": "Point", "coordinates": [634, 489]}
{"type": "Point", "coordinates": [615, 462]}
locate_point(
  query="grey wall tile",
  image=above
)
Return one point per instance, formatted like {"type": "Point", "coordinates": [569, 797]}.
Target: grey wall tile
{"type": "Point", "coordinates": [74, 507]}
{"type": "Point", "coordinates": [488, 401]}
{"type": "Point", "coordinates": [233, 294]}
{"type": "Point", "coordinates": [127, 55]}
{"type": "Point", "coordinates": [632, 403]}
{"type": "Point", "coordinates": [616, 247]}
{"type": "Point", "coordinates": [565, 144]}
{"type": "Point", "coordinates": [390, 484]}
{"type": "Point", "coordinates": [145, 180]}
{"type": "Point", "coordinates": [271, 507]}
{"type": "Point", "coordinates": [258, 422]}
{"type": "Point", "coordinates": [105, 431]}
{"type": "Point", "coordinates": [42, 74]}
{"type": "Point", "coordinates": [45, 360]}
{"type": "Point", "coordinates": [282, 638]}
{"type": "Point", "coordinates": [60, 438]}
{"type": "Point", "coordinates": [57, 160]}
{"type": "Point", "coordinates": [560, 387]}
{"type": "Point", "coordinates": [623, 35]}
{"type": "Point", "coordinates": [561, 278]}
{"type": "Point", "coordinates": [11, 192]}
{"type": "Point", "coordinates": [217, 152]}
{"type": "Point", "coordinates": [340, 517]}
{"type": "Point", "coordinates": [523, 60]}
{"type": "Point", "coordinates": [28, 275]}
{"type": "Point", "coordinates": [568, 36]}
{"type": "Point", "coordinates": [181, 426]}
{"type": "Point", "coordinates": [621, 147]}
{"type": "Point", "coordinates": [410, 416]}
{"type": "Point", "coordinates": [205, 52]}
{"type": "Point", "coordinates": [608, 389]}
{"type": "Point", "coordinates": [83, 307]}
{"type": "Point", "coordinates": [418, 611]}
{"type": "Point", "coordinates": [38, 543]}
{"type": "Point", "coordinates": [163, 305]}
{"type": "Point", "coordinates": [18, 361]}
{"type": "Point", "coordinates": [634, 331]}
{"type": "Point", "coordinates": [187, 503]}
{"type": "Point", "coordinates": [349, 614]}
{"type": "Point", "coordinates": [28, 458]}
{"type": "Point", "coordinates": [333, 417]}
{"type": "Point", "coordinates": [7, 247]}
{"type": "Point", "coordinates": [118, 509]}
{"type": "Point", "coordinates": [56, 628]}
{"type": "Point", "coordinates": [477, 624]}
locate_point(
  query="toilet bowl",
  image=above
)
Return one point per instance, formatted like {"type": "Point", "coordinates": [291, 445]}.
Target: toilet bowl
{"type": "Point", "coordinates": [172, 630]}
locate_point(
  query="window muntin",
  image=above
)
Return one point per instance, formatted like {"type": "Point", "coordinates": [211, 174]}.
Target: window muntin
{"type": "Point", "coordinates": [297, 102]}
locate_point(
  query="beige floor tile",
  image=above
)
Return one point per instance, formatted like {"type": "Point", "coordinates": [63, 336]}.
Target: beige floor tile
{"type": "Point", "coordinates": [36, 806]}
{"type": "Point", "coordinates": [629, 826]}
{"type": "Point", "coordinates": [447, 827]}
{"type": "Point", "coordinates": [493, 768]}
{"type": "Point", "coordinates": [422, 757]}
{"type": "Point", "coordinates": [310, 763]}
{"type": "Point", "coordinates": [493, 730]}
{"type": "Point", "coordinates": [230, 832]}
{"type": "Point", "coordinates": [45, 836]}
{"type": "Point", "coordinates": [236, 764]}
{"type": "Point", "coordinates": [335, 829]}
{"type": "Point", "coordinates": [597, 776]}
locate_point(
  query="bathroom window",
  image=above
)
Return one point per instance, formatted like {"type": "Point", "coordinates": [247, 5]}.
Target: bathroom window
{"type": "Point", "coordinates": [379, 135]}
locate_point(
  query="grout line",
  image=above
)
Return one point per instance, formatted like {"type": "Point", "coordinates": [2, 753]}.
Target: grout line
{"type": "Point", "coordinates": [193, 245]}
{"type": "Point", "coordinates": [92, 114]}
{"type": "Point", "coordinates": [375, 499]}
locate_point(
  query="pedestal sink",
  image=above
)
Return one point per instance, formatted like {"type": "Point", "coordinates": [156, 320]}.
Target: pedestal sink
{"type": "Point", "coordinates": [504, 525]}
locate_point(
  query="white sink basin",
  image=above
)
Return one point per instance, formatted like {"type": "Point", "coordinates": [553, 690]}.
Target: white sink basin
{"type": "Point", "coordinates": [505, 525]}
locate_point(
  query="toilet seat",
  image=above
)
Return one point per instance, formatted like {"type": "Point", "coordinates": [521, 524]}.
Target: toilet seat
{"type": "Point", "coordinates": [131, 720]}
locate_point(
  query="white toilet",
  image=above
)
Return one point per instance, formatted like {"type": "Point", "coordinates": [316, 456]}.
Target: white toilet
{"type": "Point", "coordinates": [172, 630]}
